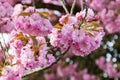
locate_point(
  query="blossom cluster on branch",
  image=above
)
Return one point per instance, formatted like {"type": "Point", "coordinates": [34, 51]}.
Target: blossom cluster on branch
{"type": "Point", "coordinates": [40, 38]}
{"type": "Point", "coordinates": [83, 35]}
{"type": "Point", "coordinates": [109, 12]}
{"type": "Point", "coordinates": [69, 72]}
{"type": "Point", "coordinates": [107, 67]}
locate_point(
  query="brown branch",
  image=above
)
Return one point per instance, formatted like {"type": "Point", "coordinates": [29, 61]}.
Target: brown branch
{"type": "Point", "coordinates": [64, 6]}
{"type": "Point", "coordinates": [40, 4]}
{"type": "Point", "coordinates": [56, 7]}
{"type": "Point", "coordinates": [50, 6]}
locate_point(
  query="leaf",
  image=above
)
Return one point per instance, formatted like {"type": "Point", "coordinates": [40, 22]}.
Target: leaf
{"type": "Point", "coordinates": [91, 27]}
{"type": "Point", "coordinates": [90, 32]}
{"type": "Point", "coordinates": [66, 19]}
{"type": "Point", "coordinates": [25, 14]}
{"type": "Point", "coordinates": [95, 24]}
{"type": "Point", "coordinates": [43, 14]}
{"type": "Point", "coordinates": [59, 26]}
{"type": "Point", "coordinates": [21, 37]}
{"type": "Point", "coordinates": [25, 6]}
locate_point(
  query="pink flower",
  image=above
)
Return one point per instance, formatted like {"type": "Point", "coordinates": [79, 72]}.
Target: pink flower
{"type": "Point", "coordinates": [12, 2]}
{"type": "Point", "coordinates": [12, 73]}
{"type": "Point", "coordinates": [64, 19]}
{"type": "Point", "coordinates": [16, 46]}
{"type": "Point", "coordinates": [90, 14]}
{"type": "Point", "coordinates": [94, 4]}
{"type": "Point", "coordinates": [84, 47]}
{"type": "Point", "coordinates": [2, 13]}
{"type": "Point", "coordinates": [69, 70]}
{"type": "Point", "coordinates": [67, 31]}
{"type": "Point", "coordinates": [101, 62]}
{"type": "Point", "coordinates": [68, 19]}
{"type": "Point", "coordinates": [72, 20]}
{"type": "Point", "coordinates": [18, 8]}
{"type": "Point", "coordinates": [8, 27]}
{"type": "Point", "coordinates": [42, 60]}
{"type": "Point", "coordinates": [78, 35]}
{"type": "Point", "coordinates": [51, 77]}
{"type": "Point", "coordinates": [50, 59]}
{"type": "Point", "coordinates": [107, 67]}
{"type": "Point", "coordinates": [27, 58]}
{"type": "Point", "coordinates": [54, 37]}
{"type": "Point", "coordinates": [47, 1]}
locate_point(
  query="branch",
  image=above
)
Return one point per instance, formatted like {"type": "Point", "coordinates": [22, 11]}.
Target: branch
{"type": "Point", "coordinates": [86, 12]}
{"type": "Point", "coordinates": [83, 4]}
{"type": "Point", "coordinates": [56, 7]}
{"type": "Point", "coordinates": [73, 6]}
{"type": "Point", "coordinates": [64, 7]}
{"type": "Point", "coordinates": [44, 68]}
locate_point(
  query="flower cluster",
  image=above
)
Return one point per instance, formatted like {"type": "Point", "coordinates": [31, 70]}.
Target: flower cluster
{"type": "Point", "coordinates": [34, 42]}
{"type": "Point", "coordinates": [81, 32]}
{"type": "Point", "coordinates": [30, 22]}
{"type": "Point", "coordinates": [12, 72]}
{"type": "Point", "coordinates": [28, 45]}
{"type": "Point", "coordinates": [31, 51]}
{"type": "Point", "coordinates": [107, 67]}
{"type": "Point", "coordinates": [69, 72]}
{"type": "Point", "coordinates": [6, 10]}
{"type": "Point", "coordinates": [109, 12]}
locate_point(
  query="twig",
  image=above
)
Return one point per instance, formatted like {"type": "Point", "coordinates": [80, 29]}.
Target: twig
{"type": "Point", "coordinates": [5, 45]}
{"type": "Point", "coordinates": [56, 7]}
{"type": "Point", "coordinates": [33, 3]}
{"type": "Point", "coordinates": [73, 6]}
{"type": "Point", "coordinates": [86, 12]}
{"type": "Point", "coordinates": [3, 50]}
{"type": "Point", "coordinates": [83, 4]}
{"type": "Point", "coordinates": [63, 5]}
{"type": "Point", "coordinates": [44, 68]}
